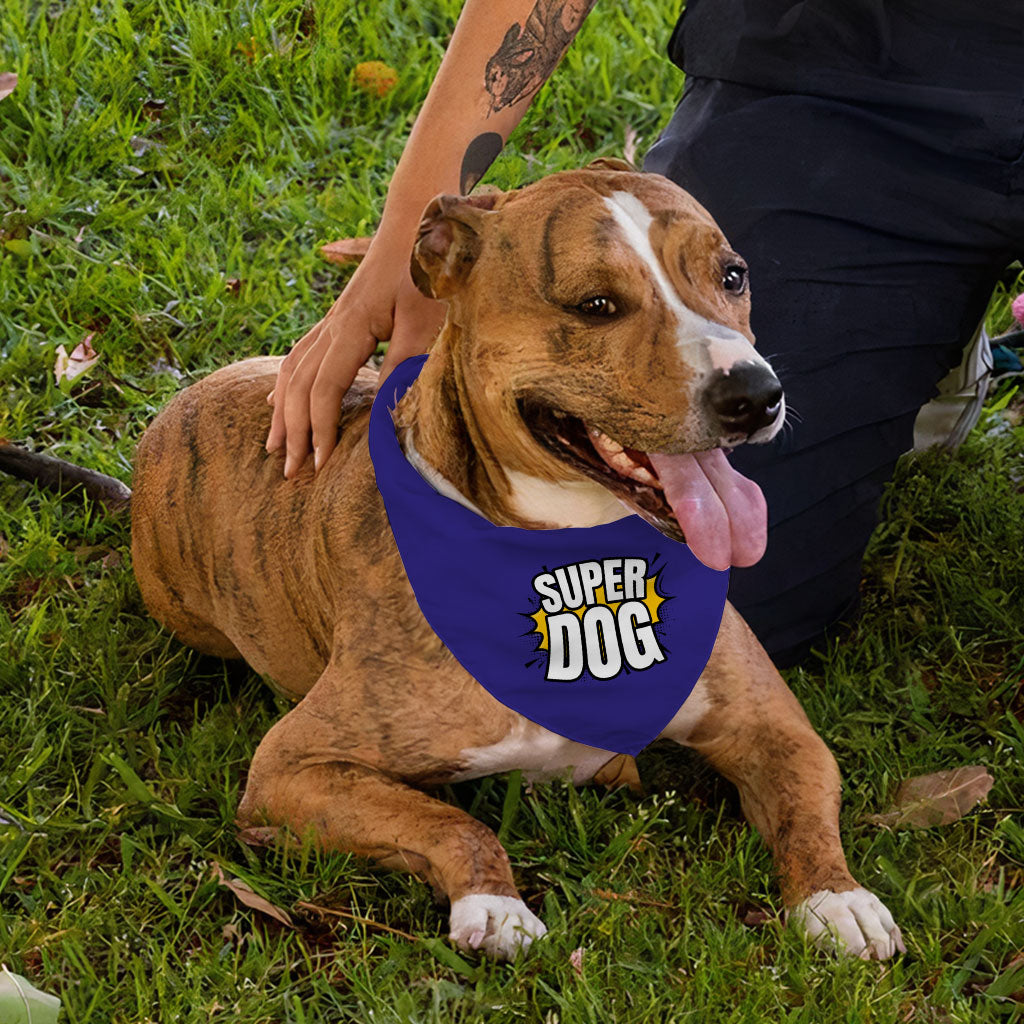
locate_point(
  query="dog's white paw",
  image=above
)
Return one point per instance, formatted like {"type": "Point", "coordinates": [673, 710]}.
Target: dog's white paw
{"type": "Point", "coordinates": [501, 926]}
{"type": "Point", "coordinates": [856, 922]}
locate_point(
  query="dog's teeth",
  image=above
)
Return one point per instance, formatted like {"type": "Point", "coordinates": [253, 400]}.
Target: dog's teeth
{"type": "Point", "coordinates": [603, 443]}
{"type": "Point", "coordinates": [615, 456]}
{"type": "Point", "coordinates": [643, 475]}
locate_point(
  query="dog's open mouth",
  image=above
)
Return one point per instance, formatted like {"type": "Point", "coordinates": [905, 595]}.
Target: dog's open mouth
{"type": "Point", "coordinates": [697, 497]}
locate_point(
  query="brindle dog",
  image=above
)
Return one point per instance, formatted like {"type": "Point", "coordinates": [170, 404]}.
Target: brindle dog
{"type": "Point", "coordinates": [514, 414]}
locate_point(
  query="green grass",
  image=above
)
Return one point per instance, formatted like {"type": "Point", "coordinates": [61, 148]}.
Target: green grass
{"type": "Point", "coordinates": [155, 150]}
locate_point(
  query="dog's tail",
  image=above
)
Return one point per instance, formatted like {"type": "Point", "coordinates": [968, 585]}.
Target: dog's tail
{"type": "Point", "coordinates": [62, 477]}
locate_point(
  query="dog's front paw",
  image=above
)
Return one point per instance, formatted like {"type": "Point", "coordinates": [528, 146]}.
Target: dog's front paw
{"type": "Point", "coordinates": [499, 925]}
{"type": "Point", "coordinates": [855, 922]}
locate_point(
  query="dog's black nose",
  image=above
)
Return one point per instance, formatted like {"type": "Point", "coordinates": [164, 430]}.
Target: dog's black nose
{"type": "Point", "coordinates": [745, 399]}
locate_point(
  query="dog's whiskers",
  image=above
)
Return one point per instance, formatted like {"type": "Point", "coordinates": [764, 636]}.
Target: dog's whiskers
{"type": "Point", "coordinates": [792, 416]}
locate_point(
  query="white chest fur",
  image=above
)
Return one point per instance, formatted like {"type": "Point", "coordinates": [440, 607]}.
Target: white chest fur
{"type": "Point", "coordinates": [541, 754]}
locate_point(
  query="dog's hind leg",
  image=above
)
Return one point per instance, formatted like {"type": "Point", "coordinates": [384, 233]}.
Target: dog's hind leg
{"type": "Point", "coordinates": [748, 724]}
{"type": "Point", "coordinates": [351, 806]}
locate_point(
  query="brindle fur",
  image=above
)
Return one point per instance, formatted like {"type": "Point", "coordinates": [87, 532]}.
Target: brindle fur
{"type": "Point", "coordinates": [302, 577]}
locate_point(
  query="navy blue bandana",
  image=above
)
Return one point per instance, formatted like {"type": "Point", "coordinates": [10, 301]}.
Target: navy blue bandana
{"type": "Point", "coordinates": [597, 633]}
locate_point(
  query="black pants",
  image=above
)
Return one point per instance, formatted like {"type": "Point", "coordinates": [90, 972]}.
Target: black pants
{"type": "Point", "coordinates": [874, 236]}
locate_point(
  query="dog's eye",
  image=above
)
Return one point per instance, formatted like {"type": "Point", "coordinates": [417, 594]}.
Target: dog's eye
{"type": "Point", "coordinates": [597, 305]}
{"type": "Point", "coordinates": [734, 278]}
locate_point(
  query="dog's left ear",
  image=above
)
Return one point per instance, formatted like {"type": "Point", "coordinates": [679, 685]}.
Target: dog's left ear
{"type": "Point", "coordinates": [450, 241]}
{"type": "Point", "coordinates": [610, 163]}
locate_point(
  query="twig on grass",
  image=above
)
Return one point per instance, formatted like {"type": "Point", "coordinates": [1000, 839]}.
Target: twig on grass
{"type": "Point", "coordinates": [60, 477]}
{"type": "Point", "coordinates": [349, 916]}
{"type": "Point", "coordinates": [631, 897]}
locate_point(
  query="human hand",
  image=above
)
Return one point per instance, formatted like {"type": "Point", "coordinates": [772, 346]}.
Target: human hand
{"type": "Point", "coordinates": [380, 303]}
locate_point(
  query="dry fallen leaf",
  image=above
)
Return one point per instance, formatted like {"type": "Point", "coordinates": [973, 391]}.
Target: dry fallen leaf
{"type": "Point", "coordinates": [576, 961]}
{"type": "Point", "coordinates": [8, 81]}
{"type": "Point", "coordinates": [68, 367]}
{"type": "Point", "coordinates": [346, 250]}
{"type": "Point", "coordinates": [755, 917]}
{"type": "Point", "coordinates": [249, 50]}
{"type": "Point", "coordinates": [375, 76]}
{"type": "Point", "coordinates": [259, 835]}
{"type": "Point", "coordinates": [244, 894]}
{"type": "Point", "coordinates": [85, 553]}
{"type": "Point", "coordinates": [936, 799]}
{"type": "Point", "coordinates": [138, 144]}
{"type": "Point", "coordinates": [152, 108]}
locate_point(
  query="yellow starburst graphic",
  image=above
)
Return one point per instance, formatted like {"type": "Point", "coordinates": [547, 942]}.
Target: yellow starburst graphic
{"type": "Point", "coordinates": [652, 599]}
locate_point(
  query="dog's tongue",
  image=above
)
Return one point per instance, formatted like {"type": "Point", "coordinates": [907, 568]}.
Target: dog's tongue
{"type": "Point", "coordinates": [722, 514]}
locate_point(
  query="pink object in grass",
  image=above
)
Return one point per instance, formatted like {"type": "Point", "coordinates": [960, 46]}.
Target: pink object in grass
{"type": "Point", "coordinates": [1018, 308]}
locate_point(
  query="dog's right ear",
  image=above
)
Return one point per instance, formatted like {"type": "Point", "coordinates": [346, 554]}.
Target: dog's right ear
{"type": "Point", "coordinates": [449, 242]}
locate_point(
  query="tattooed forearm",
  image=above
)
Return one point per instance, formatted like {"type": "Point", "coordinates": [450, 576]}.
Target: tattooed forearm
{"type": "Point", "coordinates": [527, 56]}
{"type": "Point", "coordinates": [529, 52]}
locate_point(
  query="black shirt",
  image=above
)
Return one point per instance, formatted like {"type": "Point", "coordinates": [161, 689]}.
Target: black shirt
{"type": "Point", "coordinates": [914, 52]}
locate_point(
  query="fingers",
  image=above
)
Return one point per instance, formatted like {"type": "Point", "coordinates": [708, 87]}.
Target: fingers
{"type": "Point", "coordinates": [315, 375]}
{"type": "Point", "coordinates": [313, 379]}
{"type": "Point", "coordinates": [323, 375]}
{"type": "Point", "coordinates": [276, 435]}
{"type": "Point", "coordinates": [334, 377]}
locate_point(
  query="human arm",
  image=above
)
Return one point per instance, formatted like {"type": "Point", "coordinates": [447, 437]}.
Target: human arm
{"type": "Point", "coordinates": [499, 56]}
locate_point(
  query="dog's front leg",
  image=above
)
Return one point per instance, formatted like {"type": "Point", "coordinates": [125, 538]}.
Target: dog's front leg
{"type": "Point", "coordinates": [299, 778]}
{"type": "Point", "coordinates": [745, 720]}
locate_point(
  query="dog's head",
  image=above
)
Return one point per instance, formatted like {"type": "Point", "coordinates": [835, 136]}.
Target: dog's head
{"type": "Point", "coordinates": [600, 322]}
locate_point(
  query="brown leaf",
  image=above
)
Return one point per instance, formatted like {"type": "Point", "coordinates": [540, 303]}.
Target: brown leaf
{"type": "Point", "coordinates": [754, 917]}
{"type": "Point", "coordinates": [936, 799]}
{"type": "Point", "coordinates": [4, 547]}
{"type": "Point", "coordinates": [346, 250]}
{"type": "Point", "coordinates": [152, 108]}
{"type": "Point", "coordinates": [249, 50]}
{"type": "Point", "coordinates": [68, 367]}
{"type": "Point", "coordinates": [374, 76]}
{"type": "Point", "coordinates": [259, 835]}
{"type": "Point", "coordinates": [139, 145]}
{"type": "Point", "coordinates": [576, 961]}
{"type": "Point", "coordinates": [112, 560]}
{"type": "Point", "coordinates": [244, 894]}
{"type": "Point", "coordinates": [8, 81]}
{"type": "Point", "coordinates": [86, 553]}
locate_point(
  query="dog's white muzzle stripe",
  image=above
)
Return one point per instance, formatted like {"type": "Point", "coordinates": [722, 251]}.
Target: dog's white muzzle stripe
{"type": "Point", "coordinates": [703, 344]}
